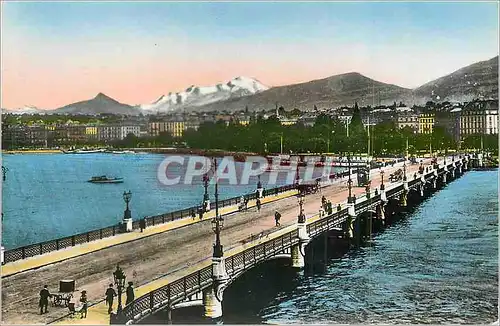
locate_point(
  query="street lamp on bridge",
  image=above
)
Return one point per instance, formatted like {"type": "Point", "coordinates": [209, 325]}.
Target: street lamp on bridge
{"type": "Point", "coordinates": [382, 186]}
{"type": "Point", "coordinates": [205, 195]}
{"type": "Point", "coordinates": [218, 221]}
{"type": "Point", "coordinates": [119, 278]}
{"type": "Point", "coordinates": [302, 216]}
{"type": "Point", "coordinates": [350, 199]}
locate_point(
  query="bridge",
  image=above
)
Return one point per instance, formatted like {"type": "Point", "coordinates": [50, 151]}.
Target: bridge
{"type": "Point", "coordinates": [173, 270]}
{"type": "Point", "coordinates": [357, 220]}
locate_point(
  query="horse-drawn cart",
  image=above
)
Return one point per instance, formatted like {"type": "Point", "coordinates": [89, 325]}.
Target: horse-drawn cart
{"type": "Point", "coordinates": [65, 294]}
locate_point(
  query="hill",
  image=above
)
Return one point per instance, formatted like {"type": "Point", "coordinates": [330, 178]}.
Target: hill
{"type": "Point", "coordinates": [476, 81]}
{"type": "Point", "coordinates": [344, 89]}
{"type": "Point", "coordinates": [99, 104]}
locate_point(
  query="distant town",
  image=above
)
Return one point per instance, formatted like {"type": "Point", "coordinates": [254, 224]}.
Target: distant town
{"type": "Point", "coordinates": [447, 125]}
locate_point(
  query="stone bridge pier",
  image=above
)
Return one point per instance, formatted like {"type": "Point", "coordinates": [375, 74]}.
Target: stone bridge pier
{"type": "Point", "coordinates": [298, 250]}
{"type": "Point", "coordinates": [213, 295]}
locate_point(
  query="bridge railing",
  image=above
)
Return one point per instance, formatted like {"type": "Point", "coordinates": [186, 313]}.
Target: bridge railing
{"type": "Point", "coordinates": [252, 256]}
{"type": "Point", "coordinates": [41, 248]}
{"type": "Point", "coordinates": [327, 223]}
{"type": "Point", "coordinates": [167, 295]}
{"type": "Point", "coordinates": [181, 289]}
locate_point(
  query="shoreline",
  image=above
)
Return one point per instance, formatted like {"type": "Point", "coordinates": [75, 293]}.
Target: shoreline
{"type": "Point", "coordinates": [32, 151]}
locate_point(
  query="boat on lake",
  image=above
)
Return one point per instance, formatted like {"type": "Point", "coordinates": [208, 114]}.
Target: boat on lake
{"type": "Point", "coordinates": [84, 151]}
{"type": "Point", "coordinates": [121, 152]}
{"type": "Point", "coordinates": [105, 179]}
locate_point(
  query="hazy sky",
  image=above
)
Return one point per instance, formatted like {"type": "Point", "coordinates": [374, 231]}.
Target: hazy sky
{"type": "Point", "coordinates": [57, 53]}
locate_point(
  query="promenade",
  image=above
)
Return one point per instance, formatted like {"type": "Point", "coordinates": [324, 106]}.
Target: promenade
{"type": "Point", "coordinates": [150, 258]}
{"type": "Point", "coordinates": [72, 252]}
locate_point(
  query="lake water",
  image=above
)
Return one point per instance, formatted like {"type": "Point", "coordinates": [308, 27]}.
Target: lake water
{"type": "Point", "coordinates": [438, 265]}
{"type": "Point", "coordinates": [47, 196]}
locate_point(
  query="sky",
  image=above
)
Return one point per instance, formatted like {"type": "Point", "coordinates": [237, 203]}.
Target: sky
{"type": "Point", "coordinates": [57, 53]}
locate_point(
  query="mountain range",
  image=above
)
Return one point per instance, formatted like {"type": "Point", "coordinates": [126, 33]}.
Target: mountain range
{"type": "Point", "coordinates": [479, 80]}
{"type": "Point", "coordinates": [195, 96]}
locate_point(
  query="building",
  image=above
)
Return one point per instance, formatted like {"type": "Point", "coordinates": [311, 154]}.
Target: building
{"type": "Point", "coordinates": [129, 129]}
{"type": "Point", "coordinates": [107, 133]}
{"type": "Point", "coordinates": [407, 119]}
{"type": "Point", "coordinates": [479, 117]}
{"type": "Point", "coordinates": [173, 125]}
{"type": "Point", "coordinates": [426, 123]}
{"type": "Point", "coordinates": [192, 123]}
{"type": "Point", "coordinates": [176, 127]}
{"type": "Point", "coordinates": [156, 127]}
{"type": "Point", "coordinates": [449, 121]}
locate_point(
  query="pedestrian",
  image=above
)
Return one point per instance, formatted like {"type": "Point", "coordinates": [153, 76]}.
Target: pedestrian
{"type": "Point", "coordinates": [277, 217]}
{"type": "Point", "coordinates": [130, 293]}
{"type": "Point", "coordinates": [83, 300]}
{"type": "Point", "coordinates": [323, 202]}
{"type": "Point", "coordinates": [193, 213]}
{"type": "Point", "coordinates": [110, 294]}
{"type": "Point", "coordinates": [200, 212]}
{"type": "Point", "coordinates": [44, 299]}
{"type": "Point", "coordinates": [246, 203]}
{"type": "Point", "coordinates": [142, 224]}
{"type": "Point", "coordinates": [329, 207]}
{"type": "Point", "coordinates": [259, 204]}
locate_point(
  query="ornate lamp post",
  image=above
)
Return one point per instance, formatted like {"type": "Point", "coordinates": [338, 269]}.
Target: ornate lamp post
{"type": "Point", "coordinates": [350, 199]}
{"type": "Point", "coordinates": [127, 216]}
{"type": "Point", "coordinates": [119, 278]}
{"type": "Point", "coordinates": [382, 186]}
{"type": "Point", "coordinates": [127, 196]}
{"type": "Point", "coordinates": [404, 171]}
{"type": "Point", "coordinates": [218, 221]}
{"type": "Point", "coordinates": [206, 199]}
{"type": "Point", "coordinates": [302, 216]}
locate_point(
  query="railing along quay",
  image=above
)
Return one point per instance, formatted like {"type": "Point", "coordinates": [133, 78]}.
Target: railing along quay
{"type": "Point", "coordinates": [184, 287]}
{"type": "Point", "coordinates": [41, 248]}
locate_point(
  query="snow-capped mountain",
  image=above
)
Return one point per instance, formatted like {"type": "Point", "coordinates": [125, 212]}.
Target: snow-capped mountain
{"type": "Point", "coordinates": [28, 109]}
{"type": "Point", "coordinates": [201, 95]}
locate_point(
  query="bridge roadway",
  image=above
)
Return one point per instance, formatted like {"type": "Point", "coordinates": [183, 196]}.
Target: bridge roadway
{"type": "Point", "coordinates": [150, 258]}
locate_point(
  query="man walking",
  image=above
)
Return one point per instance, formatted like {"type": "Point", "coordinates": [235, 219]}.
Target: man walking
{"type": "Point", "coordinates": [110, 294]}
{"type": "Point", "coordinates": [277, 217]}
{"type": "Point", "coordinates": [84, 302]}
{"type": "Point", "coordinates": [259, 204]}
{"type": "Point", "coordinates": [130, 293]}
{"type": "Point", "coordinates": [44, 299]}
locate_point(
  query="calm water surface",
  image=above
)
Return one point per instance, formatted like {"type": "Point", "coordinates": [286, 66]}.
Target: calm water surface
{"type": "Point", "coordinates": [47, 196]}
{"type": "Point", "coordinates": [438, 265]}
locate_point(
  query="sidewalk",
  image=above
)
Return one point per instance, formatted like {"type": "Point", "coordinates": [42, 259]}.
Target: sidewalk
{"type": "Point", "coordinates": [98, 313]}
{"type": "Point", "coordinates": [71, 252]}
